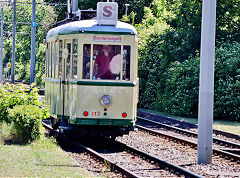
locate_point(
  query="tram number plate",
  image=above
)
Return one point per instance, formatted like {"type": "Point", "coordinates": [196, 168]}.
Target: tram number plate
{"type": "Point", "coordinates": [96, 113]}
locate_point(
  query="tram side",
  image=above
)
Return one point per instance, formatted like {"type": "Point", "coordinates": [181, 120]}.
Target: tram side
{"type": "Point", "coordinates": [75, 91]}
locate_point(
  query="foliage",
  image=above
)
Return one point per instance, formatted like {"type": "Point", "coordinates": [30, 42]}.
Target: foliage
{"type": "Point", "coordinates": [227, 82]}
{"type": "Point", "coordinates": [27, 121]}
{"type": "Point", "coordinates": [44, 17]}
{"type": "Point", "coordinates": [5, 132]}
{"type": "Point", "coordinates": [20, 106]}
{"type": "Point", "coordinates": [180, 94]}
{"type": "Point", "coordinates": [40, 66]}
{"type": "Point", "coordinates": [136, 7]}
{"type": "Point", "coordinates": [169, 57]}
{"type": "Point", "coordinates": [187, 14]}
{"type": "Point", "coordinates": [11, 95]}
{"type": "Point", "coordinates": [22, 72]}
{"type": "Point", "coordinates": [158, 52]}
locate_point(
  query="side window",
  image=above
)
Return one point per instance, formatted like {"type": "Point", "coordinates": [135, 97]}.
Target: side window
{"type": "Point", "coordinates": [56, 59]}
{"type": "Point", "coordinates": [86, 61]}
{"type": "Point", "coordinates": [68, 63]}
{"type": "Point", "coordinates": [60, 59]}
{"type": "Point", "coordinates": [50, 61]}
{"type": "Point", "coordinates": [47, 59]}
{"type": "Point", "coordinates": [126, 63]}
{"type": "Point", "coordinates": [107, 62]}
{"type": "Point", "coordinates": [53, 59]}
{"type": "Point", "coordinates": [75, 58]}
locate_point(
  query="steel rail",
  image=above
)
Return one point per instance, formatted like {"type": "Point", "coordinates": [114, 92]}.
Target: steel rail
{"type": "Point", "coordinates": [171, 120]}
{"type": "Point", "coordinates": [216, 140]}
{"type": "Point", "coordinates": [215, 151]}
{"type": "Point", "coordinates": [114, 166]}
{"type": "Point", "coordinates": [49, 127]}
{"type": "Point", "coordinates": [161, 162]}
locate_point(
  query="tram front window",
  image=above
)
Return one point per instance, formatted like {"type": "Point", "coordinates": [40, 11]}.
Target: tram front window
{"type": "Point", "coordinates": [106, 62]}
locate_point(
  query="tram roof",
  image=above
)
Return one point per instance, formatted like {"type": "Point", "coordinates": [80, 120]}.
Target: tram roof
{"type": "Point", "coordinates": [91, 26]}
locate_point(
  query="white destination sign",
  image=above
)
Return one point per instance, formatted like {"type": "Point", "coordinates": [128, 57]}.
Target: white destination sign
{"type": "Point", "coordinates": [107, 13]}
{"type": "Point", "coordinates": [101, 38]}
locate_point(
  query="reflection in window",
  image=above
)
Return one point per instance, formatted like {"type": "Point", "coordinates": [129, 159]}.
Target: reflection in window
{"type": "Point", "coordinates": [126, 63]}
{"type": "Point", "coordinates": [60, 59]}
{"type": "Point", "coordinates": [86, 61]}
{"type": "Point", "coordinates": [107, 62]}
{"type": "Point", "coordinates": [68, 61]}
{"type": "Point", "coordinates": [75, 58]}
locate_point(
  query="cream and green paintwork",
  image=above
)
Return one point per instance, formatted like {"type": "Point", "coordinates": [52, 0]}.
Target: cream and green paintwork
{"type": "Point", "coordinates": [81, 95]}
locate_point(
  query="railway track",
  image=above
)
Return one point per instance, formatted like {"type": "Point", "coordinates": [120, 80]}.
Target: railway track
{"type": "Point", "coordinates": [183, 125]}
{"type": "Point", "coordinates": [131, 162]}
{"type": "Point", "coordinates": [231, 151]}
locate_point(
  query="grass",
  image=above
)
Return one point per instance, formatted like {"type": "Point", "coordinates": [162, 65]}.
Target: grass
{"type": "Point", "coordinates": [42, 158]}
{"type": "Point", "coordinates": [228, 126]}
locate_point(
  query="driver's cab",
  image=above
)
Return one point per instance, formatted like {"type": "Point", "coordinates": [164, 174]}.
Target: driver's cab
{"type": "Point", "coordinates": [106, 62]}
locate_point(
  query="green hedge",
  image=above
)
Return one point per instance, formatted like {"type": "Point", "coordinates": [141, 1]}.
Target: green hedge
{"type": "Point", "coordinates": [174, 89]}
{"type": "Point", "coordinates": [12, 95]}
{"type": "Point", "coordinates": [227, 82]}
{"type": "Point", "coordinates": [180, 95]}
{"type": "Point", "coordinates": [156, 55]}
{"type": "Point", "coordinates": [19, 106]}
{"type": "Point", "coordinates": [27, 120]}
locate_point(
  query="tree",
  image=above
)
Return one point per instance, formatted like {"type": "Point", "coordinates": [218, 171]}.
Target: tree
{"type": "Point", "coordinates": [136, 6]}
{"type": "Point", "coordinates": [45, 17]}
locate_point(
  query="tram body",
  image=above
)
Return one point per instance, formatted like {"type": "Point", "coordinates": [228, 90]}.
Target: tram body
{"type": "Point", "coordinates": [90, 103]}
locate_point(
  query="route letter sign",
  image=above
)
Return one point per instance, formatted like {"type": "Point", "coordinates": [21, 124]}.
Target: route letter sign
{"type": "Point", "coordinates": [107, 13]}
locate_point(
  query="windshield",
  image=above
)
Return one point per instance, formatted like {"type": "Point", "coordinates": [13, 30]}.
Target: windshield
{"type": "Point", "coordinates": [107, 62]}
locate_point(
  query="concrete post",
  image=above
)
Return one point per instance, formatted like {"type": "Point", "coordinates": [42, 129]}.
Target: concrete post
{"type": "Point", "coordinates": [206, 82]}
{"type": "Point", "coordinates": [33, 41]}
{"type": "Point", "coordinates": [74, 5]}
{"type": "Point", "coordinates": [13, 43]}
{"type": "Point", "coordinates": [1, 55]}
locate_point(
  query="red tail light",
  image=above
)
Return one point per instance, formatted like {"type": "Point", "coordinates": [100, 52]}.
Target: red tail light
{"type": "Point", "coordinates": [85, 113]}
{"type": "Point", "coordinates": [124, 115]}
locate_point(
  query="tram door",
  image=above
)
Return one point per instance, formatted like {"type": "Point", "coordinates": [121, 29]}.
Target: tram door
{"type": "Point", "coordinates": [66, 76]}
{"type": "Point", "coordinates": [59, 84]}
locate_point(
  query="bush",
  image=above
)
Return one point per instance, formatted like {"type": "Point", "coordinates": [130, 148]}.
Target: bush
{"type": "Point", "coordinates": [27, 120]}
{"type": "Point", "coordinates": [180, 95]}
{"type": "Point", "coordinates": [20, 106]}
{"type": "Point", "coordinates": [156, 56]}
{"type": "Point", "coordinates": [227, 82]}
{"type": "Point", "coordinates": [40, 66]}
{"type": "Point", "coordinates": [12, 95]}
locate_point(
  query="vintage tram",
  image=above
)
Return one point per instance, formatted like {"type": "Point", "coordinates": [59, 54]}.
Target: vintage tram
{"type": "Point", "coordinates": [91, 83]}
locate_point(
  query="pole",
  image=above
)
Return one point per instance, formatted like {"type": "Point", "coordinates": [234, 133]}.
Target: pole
{"type": "Point", "coordinates": [1, 56]}
{"type": "Point", "coordinates": [13, 43]}
{"type": "Point", "coordinates": [206, 82]}
{"type": "Point", "coordinates": [69, 6]}
{"type": "Point", "coordinates": [74, 5]}
{"type": "Point", "coordinates": [33, 40]}
{"type": "Point", "coordinates": [126, 10]}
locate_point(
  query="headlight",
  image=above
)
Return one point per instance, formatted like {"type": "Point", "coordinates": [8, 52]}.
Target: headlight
{"type": "Point", "coordinates": [106, 100]}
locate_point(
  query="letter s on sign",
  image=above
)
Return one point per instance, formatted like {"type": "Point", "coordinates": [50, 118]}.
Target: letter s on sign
{"type": "Point", "coordinates": [107, 12]}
